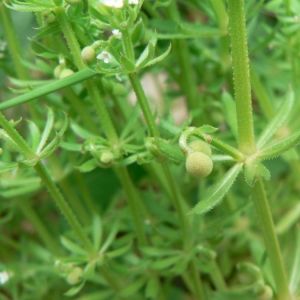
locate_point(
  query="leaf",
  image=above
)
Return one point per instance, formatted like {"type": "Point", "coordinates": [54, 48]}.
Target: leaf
{"type": "Point", "coordinates": [103, 295]}
{"type": "Point", "coordinates": [163, 3]}
{"type": "Point", "coordinates": [280, 147]}
{"type": "Point", "coordinates": [47, 129]}
{"type": "Point", "coordinates": [132, 288]}
{"type": "Point", "coordinates": [230, 113]}
{"type": "Point", "coordinates": [74, 290]}
{"type": "Point", "coordinates": [88, 166]}
{"type": "Point", "coordinates": [170, 151]}
{"type": "Point", "coordinates": [254, 169]}
{"type": "Point", "coordinates": [295, 269]}
{"type": "Point", "coordinates": [159, 58]}
{"type": "Point", "coordinates": [281, 115]}
{"type": "Point", "coordinates": [97, 232]}
{"type": "Point", "coordinates": [119, 252]}
{"type": "Point", "coordinates": [156, 252]}
{"type": "Point", "coordinates": [71, 246]}
{"type": "Point", "coordinates": [132, 122]}
{"type": "Point", "coordinates": [147, 54]}
{"type": "Point", "coordinates": [165, 263]}
{"type": "Point", "coordinates": [152, 287]}
{"type": "Point", "coordinates": [110, 238]}
{"type": "Point", "coordinates": [71, 146]}
{"type": "Point", "coordinates": [82, 132]}
{"type": "Point", "coordinates": [127, 64]}
{"type": "Point", "coordinates": [217, 191]}
{"type": "Point", "coordinates": [208, 129]}
{"type": "Point", "coordinates": [8, 167]}
{"type": "Point", "coordinates": [35, 135]}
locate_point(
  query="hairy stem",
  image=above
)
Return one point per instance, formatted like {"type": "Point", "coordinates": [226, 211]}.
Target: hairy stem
{"type": "Point", "coordinates": [241, 76]}
{"type": "Point", "coordinates": [262, 208]}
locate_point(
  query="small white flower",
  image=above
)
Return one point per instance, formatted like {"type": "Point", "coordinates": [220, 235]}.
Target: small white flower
{"type": "Point", "coordinates": [4, 277]}
{"type": "Point", "coordinates": [133, 1]}
{"type": "Point", "coordinates": [117, 33]}
{"type": "Point", "coordinates": [113, 3]}
{"type": "Point", "coordinates": [105, 56]}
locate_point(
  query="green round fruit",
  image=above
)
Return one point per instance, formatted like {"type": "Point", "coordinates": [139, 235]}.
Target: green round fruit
{"type": "Point", "coordinates": [266, 294]}
{"type": "Point", "coordinates": [88, 54]}
{"type": "Point", "coordinates": [75, 275]}
{"type": "Point", "coordinates": [198, 164]}
{"type": "Point", "coordinates": [65, 73]}
{"type": "Point", "coordinates": [200, 146]}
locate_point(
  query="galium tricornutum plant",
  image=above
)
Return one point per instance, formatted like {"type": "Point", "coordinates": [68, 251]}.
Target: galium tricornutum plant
{"type": "Point", "coordinates": [103, 197]}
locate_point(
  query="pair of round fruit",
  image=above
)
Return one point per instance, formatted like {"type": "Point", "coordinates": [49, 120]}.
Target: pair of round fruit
{"type": "Point", "coordinates": [198, 162]}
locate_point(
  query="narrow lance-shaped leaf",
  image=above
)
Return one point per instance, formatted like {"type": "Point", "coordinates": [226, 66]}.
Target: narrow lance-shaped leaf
{"type": "Point", "coordinates": [279, 147]}
{"type": "Point", "coordinates": [35, 135]}
{"type": "Point", "coordinates": [159, 58]}
{"type": "Point", "coordinates": [152, 287]}
{"type": "Point", "coordinates": [170, 151]}
{"type": "Point", "coordinates": [71, 246]}
{"type": "Point", "coordinates": [132, 122]}
{"type": "Point", "coordinates": [217, 191]}
{"type": "Point", "coordinates": [230, 113]}
{"type": "Point", "coordinates": [47, 130]}
{"type": "Point", "coordinates": [132, 288]}
{"type": "Point", "coordinates": [147, 54]}
{"type": "Point", "coordinates": [74, 290]}
{"type": "Point", "coordinates": [277, 120]}
{"type": "Point", "coordinates": [110, 238]}
{"type": "Point", "coordinates": [97, 232]}
{"type": "Point", "coordinates": [255, 169]}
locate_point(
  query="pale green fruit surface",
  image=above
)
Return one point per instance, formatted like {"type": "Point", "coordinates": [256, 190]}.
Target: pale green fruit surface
{"type": "Point", "coordinates": [198, 164]}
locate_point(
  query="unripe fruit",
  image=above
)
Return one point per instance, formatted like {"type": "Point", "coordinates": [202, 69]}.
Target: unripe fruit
{"type": "Point", "coordinates": [65, 73]}
{"type": "Point", "coordinates": [106, 157]}
{"type": "Point", "coordinates": [57, 71]}
{"type": "Point", "coordinates": [88, 54]}
{"type": "Point", "coordinates": [198, 164]}
{"type": "Point", "coordinates": [266, 294]}
{"type": "Point", "coordinates": [200, 146]}
{"type": "Point", "coordinates": [75, 275]}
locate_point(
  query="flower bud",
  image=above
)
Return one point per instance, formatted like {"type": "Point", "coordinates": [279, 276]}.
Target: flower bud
{"type": "Point", "coordinates": [198, 164]}
{"type": "Point", "coordinates": [88, 54]}
{"type": "Point", "coordinates": [200, 146]}
{"type": "Point", "coordinates": [75, 275]}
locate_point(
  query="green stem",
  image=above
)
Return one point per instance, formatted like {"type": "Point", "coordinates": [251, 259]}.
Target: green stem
{"type": "Point", "coordinates": [133, 204]}
{"type": "Point", "coordinates": [70, 37]}
{"type": "Point", "coordinates": [187, 78]}
{"type": "Point", "coordinates": [39, 226]}
{"type": "Point", "coordinates": [177, 204]}
{"type": "Point", "coordinates": [143, 101]}
{"type": "Point", "coordinates": [13, 42]}
{"type": "Point", "coordinates": [217, 278]}
{"type": "Point", "coordinates": [47, 89]}
{"type": "Point", "coordinates": [15, 49]}
{"type": "Point", "coordinates": [198, 286]}
{"type": "Point", "coordinates": [18, 139]}
{"type": "Point", "coordinates": [127, 44]}
{"type": "Point", "coordinates": [63, 205]}
{"type": "Point", "coordinates": [262, 208]}
{"type": "Point", "coordinates": [241, 75]}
